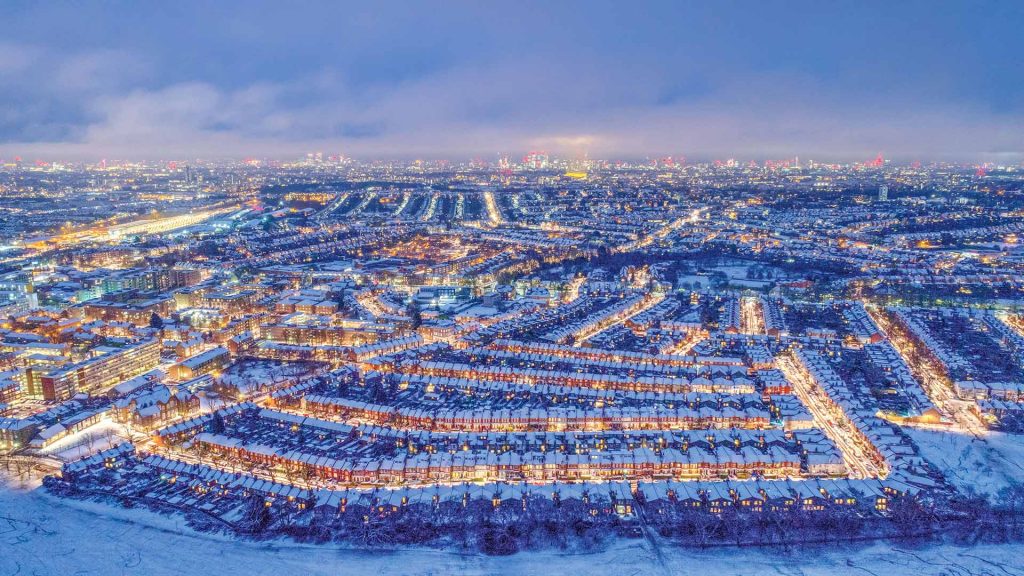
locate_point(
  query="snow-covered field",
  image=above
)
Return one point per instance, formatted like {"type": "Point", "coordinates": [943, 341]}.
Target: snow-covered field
{"type": "Point", "coordinates": [985, 466]}
{"type": "Point", "coordinates": [95, 438]}
{"type": "Point", "coordinates": [45, 536]}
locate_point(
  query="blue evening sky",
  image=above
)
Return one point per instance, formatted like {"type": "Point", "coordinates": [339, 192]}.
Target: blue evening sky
{"type": "Point", "coordinates": [754, 79]}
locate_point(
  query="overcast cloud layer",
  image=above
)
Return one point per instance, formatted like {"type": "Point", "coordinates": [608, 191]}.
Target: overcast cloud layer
{"type": "Point", "coordinates": [825, 80]}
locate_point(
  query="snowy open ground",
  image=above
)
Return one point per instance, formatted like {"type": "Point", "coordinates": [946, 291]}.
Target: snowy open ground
{"type": "Point", "coordinates": [985, 466]}
{"type": "Point", "coordinates": [44, 535]}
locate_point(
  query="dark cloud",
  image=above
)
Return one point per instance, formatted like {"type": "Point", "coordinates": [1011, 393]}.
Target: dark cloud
{"type": "Point", "coordinates": [467, 79]}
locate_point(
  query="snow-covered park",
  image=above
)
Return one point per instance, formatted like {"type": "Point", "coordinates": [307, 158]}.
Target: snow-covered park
{"type": "Point", "coordinates": [977, 465]}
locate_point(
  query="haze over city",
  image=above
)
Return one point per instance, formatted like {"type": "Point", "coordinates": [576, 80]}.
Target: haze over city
{"type": "Point", "coordinates": [756, 80]}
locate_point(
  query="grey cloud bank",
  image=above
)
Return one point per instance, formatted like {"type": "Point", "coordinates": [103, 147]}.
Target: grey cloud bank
{"type": "Point", "coordinates": [764, 80]}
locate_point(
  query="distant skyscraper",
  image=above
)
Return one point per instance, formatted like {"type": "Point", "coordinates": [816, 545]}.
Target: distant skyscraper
{"type": "Point", "coordinates": [883, 193]}
{"type": "Point", "coordinates": [536, 160]}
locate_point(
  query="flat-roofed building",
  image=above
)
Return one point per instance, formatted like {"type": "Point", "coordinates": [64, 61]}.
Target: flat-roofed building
{"type": "Point", "coordinates": [102, 372]}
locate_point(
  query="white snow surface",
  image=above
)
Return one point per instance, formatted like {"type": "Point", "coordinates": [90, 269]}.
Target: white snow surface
{"type": "Point", "coordinates": [44, 535]}
{"type": "Point", "coordinates": [985, 465]}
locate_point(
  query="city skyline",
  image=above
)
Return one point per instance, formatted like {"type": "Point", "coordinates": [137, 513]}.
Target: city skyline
{"type": "Point", "coordinates": [527, 288]}
{"type": "Point", "coordinates": [840, 83]}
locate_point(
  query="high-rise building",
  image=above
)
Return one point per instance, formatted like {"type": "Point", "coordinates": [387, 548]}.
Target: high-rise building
{"type": "Point", "coordinates": [102, 372]}
{"type": "Point", "coordinates": [536, 160]}
{"type": "Point", "coordinates": [883, 193]}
